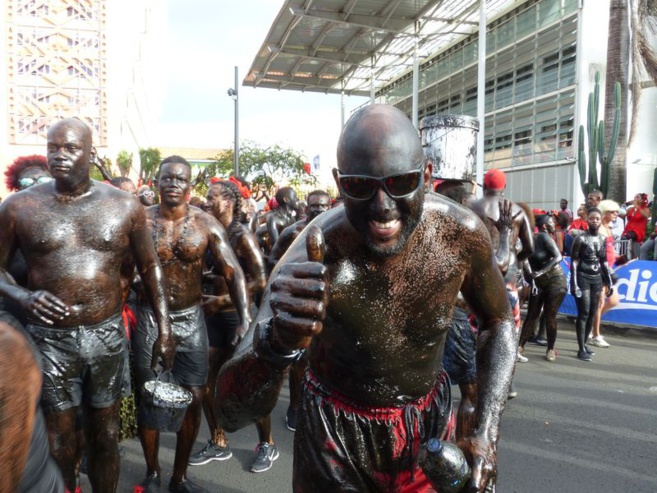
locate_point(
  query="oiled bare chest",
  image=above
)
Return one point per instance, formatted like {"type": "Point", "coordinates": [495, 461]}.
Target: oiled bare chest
{"type": "Point", "coordinates": [69, 227]}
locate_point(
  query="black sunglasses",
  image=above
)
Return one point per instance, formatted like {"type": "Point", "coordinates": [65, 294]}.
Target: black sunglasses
{"type": "Point", "coordinates": [397, 186]}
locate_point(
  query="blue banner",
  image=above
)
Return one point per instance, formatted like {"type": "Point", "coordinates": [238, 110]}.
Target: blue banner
{"type": "Point", "coordinates": [637, 290]}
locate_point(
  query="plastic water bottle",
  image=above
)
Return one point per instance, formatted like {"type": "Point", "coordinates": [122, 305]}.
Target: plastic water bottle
{"type": "Point", "coordinates": [444, 465]}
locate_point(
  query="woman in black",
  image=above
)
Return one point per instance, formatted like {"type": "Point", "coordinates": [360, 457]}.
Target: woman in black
{"type": "Point", "coordinates": [589, 272]}
{"type": "Point", "coordinates": [543, 272]}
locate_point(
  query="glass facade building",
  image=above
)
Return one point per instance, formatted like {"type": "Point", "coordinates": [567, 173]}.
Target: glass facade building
{"type": "Point", "coordinates": [530, 113]}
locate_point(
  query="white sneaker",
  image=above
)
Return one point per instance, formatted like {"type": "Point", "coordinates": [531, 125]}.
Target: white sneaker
{"type": "Point", "coordinates": [522, 359]}
{"type": "Point", "coordinates": [599, 342]}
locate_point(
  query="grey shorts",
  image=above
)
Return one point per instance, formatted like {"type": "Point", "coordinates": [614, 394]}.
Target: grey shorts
{"type": "Point", "coordinates": [190, 367]}
{"type": "Point", "coordinates": [87, 363]}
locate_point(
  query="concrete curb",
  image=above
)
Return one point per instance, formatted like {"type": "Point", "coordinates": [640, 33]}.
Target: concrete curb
{"type": "Point", "coordinates": [624, 330]}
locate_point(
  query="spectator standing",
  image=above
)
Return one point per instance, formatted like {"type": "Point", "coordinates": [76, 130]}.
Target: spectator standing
{"type": "Point", "coordinates": [637, 219]}
{"type": "Point", "coordinates": [563, 206]}
{"type": "Point", "coordinates": [610, 210]}
{"type": "Point", "coordinates": [561, 230]}
{"type": "Point", "coordinates": [580, 223]}
{"type": "Point", "coordinates": [549, 287]}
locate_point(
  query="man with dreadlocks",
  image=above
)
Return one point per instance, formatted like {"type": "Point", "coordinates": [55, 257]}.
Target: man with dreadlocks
{"type": "Point", "coordinates": [224, 201]}
{"type": "Point", "coordinates": [182, 235]}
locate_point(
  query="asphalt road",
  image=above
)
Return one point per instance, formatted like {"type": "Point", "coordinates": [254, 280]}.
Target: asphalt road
{"type": "Point", "coordinates": [575, 427]}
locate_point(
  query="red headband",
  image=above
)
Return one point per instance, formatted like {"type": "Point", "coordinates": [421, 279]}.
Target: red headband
{"type": "Point", "coordinates": [244, 190]}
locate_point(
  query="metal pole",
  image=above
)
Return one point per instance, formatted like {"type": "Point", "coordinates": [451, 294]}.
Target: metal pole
{"type": "Point", "coordinates": [481, 92]}
{"type": "Point", "coordinates": [372, 92]}
{"type": "Point", "coordinates": [416, 77]}
{"type": "Point", "coordinates": [342, 107]}
{"type": "Point", "coordinates": [237, 124]}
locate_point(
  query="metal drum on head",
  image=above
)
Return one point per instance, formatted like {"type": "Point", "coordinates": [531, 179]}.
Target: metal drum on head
{"type": "Point", "coordinates": [450, 143]}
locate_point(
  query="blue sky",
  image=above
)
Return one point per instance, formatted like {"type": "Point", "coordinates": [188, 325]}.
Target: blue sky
{"type": "Point", "coordinates": [205, 40]}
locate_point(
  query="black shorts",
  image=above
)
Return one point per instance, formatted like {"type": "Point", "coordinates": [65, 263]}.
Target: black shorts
{"type": "Point", "coordinates": [81, 364]}
{"type": "Point", "coordinates": [190, 367]}
{"type": "Point", "coordinates": [223, 325]}
{"type": "Point", "coordinates": [459, 357]}
{"type": "Point", "coordinates": [343, 446]}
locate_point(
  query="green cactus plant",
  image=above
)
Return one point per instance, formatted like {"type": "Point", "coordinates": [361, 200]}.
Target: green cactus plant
{"type": "Point", "coordinates": [597, 149]}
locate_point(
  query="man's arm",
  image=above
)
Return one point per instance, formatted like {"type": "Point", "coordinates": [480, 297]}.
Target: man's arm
{"type": "Point", "coordinates": [287, 236]}
{"type": "Point", "coordinates": [574, 258]}
{"type": "Point", "coordinates": [227, 265]}
{"type": "Point", "coordinates": [152, 279]}
{"type": "Point", "coordinates": [272, 228]}
{"type": "Point", "coordinates": [292, 311]}
{"type": "Point", "coordinates": [250, 250]}
{"type": "Point", "coordinates": [483, 289]}
{"type": "Point", "coordinates": [526, 237]}
{"type": "Point", "coordinates": [504, 226]}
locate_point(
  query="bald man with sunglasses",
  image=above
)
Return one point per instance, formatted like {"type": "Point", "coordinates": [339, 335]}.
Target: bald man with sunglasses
{"type": "Point", "coordinates": [369, 290]}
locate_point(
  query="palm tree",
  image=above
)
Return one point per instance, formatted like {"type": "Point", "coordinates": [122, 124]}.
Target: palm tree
{"type": "Point", "coordinates": [644, 54]}
{"type": "Point", "coordinates": [618, 59]}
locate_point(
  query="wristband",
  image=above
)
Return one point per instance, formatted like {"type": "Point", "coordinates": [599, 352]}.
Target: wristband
{"type": "Point", "coordinates": [265, 351]}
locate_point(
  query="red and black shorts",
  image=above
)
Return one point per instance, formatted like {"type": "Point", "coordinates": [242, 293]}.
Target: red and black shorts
{"type": "Point", "coordinates": [343, 446]}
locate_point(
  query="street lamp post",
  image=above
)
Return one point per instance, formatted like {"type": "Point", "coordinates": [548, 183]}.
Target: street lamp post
{"type": "Point", "coordinates": [232, 92]}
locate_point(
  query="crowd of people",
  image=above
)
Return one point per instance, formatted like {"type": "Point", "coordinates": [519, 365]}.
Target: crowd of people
{"type": "Point", "coordinates": [104, 283]}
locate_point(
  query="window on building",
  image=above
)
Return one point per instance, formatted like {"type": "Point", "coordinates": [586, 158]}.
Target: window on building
{"type": "Point", "coordinates": [442, 106]}
{"type": "Point", "coordinates": [523, 137]}
{"type": "Point", "coordinates": [503, 142]}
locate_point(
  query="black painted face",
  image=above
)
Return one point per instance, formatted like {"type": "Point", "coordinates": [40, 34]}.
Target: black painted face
{"type": "Point", "coordinates": [378, 142]}
{"type": "Point", "coordinates": [291, 199]}
{"type": "Point", "coordinates": [146, 196]}
{"type": "Point", "coordinates": [174, 183]}
{"type": "Point", "coordinates": [317, 204]}
{"type": "Point", "coordinates": [385, 223]}
{"type": "Point", "coordinates": [216, 204]}
{"type": "Point", "coordinates": [594, 221]}
{"type": "Point", "coordinates": [69, 152]}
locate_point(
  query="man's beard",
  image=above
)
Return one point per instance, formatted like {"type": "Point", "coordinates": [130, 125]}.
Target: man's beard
{"type": "Point", "coordinates": [408, 226]}
{"type": "Point", "coordinates": [410, 219]}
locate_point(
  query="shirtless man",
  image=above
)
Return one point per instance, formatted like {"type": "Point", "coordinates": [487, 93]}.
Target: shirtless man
{"type": "Point", "coordinates": [224, 201]}
{"type": "Point", "coordinates": [521, 242]}
{"type": "Point", "coordinates": [284, 215]}
{"type": "Point", "coordinates": [459, 358]}
{"type": "Point", "coordinates": [182, 234]}
{"type": "Point", "coordinates": [318, 201]}
{"type": "Point", "coordinates": [373, 318]}
{"type": "Point", "coordinates": [76, 234]}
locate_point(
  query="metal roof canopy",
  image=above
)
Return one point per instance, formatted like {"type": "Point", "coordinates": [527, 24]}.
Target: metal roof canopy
{"type": "Point", "coordinates": [351, 46]}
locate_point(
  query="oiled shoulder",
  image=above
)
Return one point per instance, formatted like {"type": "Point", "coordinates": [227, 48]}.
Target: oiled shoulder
{"type": "Point", "coordinates": [441, 210]}
{"type": "Point", "coordinates": [18, 200]}
{"type": "Point", "coordinates": [338, 233]}
{"type": "Point", "coordinates": [203, 219]}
